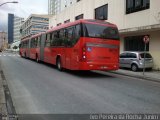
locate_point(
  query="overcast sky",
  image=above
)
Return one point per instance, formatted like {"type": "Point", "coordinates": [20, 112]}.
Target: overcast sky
{"type": "Point", "coordinates": [23, 9]}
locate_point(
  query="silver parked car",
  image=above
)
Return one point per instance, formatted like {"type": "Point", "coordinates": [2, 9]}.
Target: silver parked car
{"type": "Point", "coordinates": [135, 60]}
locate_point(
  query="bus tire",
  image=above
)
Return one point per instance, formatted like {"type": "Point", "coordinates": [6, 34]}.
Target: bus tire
{"type": "Point", "coordinates": [59, 64]}
{"type": "Point", "coordinates": [20, 54]}
{"type": "Point", "coordinates": [25, 55]}
{"type": "Point", "coordinates": [37, 59]}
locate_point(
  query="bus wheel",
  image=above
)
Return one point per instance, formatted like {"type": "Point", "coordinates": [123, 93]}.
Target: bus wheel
{"type": "Point", "coordinates": [20, 54]}
{"type": "Point", "coordinates": [59, 64]}
{"type": "Point", "coordinates": [37, 59]}
{"type": "Point", "coordinates": [25, 55]}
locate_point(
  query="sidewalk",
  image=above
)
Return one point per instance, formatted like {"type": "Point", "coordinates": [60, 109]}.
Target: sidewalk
{"type": "Point", "coordinates": [149, 75]}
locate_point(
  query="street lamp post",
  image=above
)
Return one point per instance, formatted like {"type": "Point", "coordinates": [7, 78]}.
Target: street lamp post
{"type": "Point", "coordinates": [8, 2]}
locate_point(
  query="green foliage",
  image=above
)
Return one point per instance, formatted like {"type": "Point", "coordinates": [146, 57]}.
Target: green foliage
{"type": "Point", "coordinates": [15, 47]}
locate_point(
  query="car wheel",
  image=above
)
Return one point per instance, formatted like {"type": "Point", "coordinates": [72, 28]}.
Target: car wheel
{"type": "Point", "coordinates": [134, 67]}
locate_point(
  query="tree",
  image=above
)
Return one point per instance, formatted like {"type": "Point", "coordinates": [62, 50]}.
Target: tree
{"type": "Point", "coordinates": [15, 47]}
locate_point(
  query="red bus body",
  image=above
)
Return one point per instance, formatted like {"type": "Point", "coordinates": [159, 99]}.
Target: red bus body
{"type": "Point", "coordinates": [85, 52]}
{"type": "Point", "coordinates": [24, 49]}
{"type": "Point", "coordinates": [34, 49]}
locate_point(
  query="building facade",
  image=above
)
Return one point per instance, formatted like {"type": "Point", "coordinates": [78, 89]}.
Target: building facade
{"type": "Point", "coordinates": [35, 24]}
{"type": "Point", "coordinates": [18, 21]}
{"type": "Point", "coordinates": [56, 6]}
{"type": "Point", "coordinates": [10, 28]}
{"type": "Point", "coordinates": [134, 18]}
{"type": "Point", "coordinates": [3, 40]}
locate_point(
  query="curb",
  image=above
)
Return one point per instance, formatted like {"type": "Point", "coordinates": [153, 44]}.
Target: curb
{"type": "Point", "coordinates": [7, 110]}
{"type": "Point", "coordinates": [138, 76]}
{"type": "Point", "coordinates": [3, 108]}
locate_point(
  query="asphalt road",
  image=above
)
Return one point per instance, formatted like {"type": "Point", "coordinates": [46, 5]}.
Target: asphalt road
{"type": "Point", "coordinates": [42, 89]}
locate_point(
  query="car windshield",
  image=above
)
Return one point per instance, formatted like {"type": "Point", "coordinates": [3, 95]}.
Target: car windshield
{"type": "Point", "coordinates": [146, 56]}
{"type": "Point", "coordinates": [100, 31]}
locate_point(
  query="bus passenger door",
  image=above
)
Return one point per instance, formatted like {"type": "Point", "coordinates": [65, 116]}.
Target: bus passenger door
{"type": "Point", "coordinates": [42, 44]}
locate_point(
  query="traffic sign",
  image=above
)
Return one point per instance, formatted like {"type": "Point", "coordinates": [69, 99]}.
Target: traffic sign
{"type": "Point", "coordinates": [146, 39]}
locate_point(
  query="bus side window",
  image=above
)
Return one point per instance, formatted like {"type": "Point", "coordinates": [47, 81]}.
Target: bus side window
{"type": "Point", "coordinates": [77, 34]}
{"type": "Point", "coordinates": [36, 42]}
{"type": "Point", "coordinates": [39, 42]}
{"type": "Point", "coordinates": [53, 38]}
{"type": "Point", "coordinates": [56, 38]}
{"type": "Point", "coordinates": [65, 36]}
{"type": "Point", "coordinates": [47, 42]}
{"type": "Point", "coordinates": [32, 42]}
{"type": "Point", "coordinates": [24, 44]}
{"type": "Point", "coordinates": [61, 38]}
{"type": "Point", "coordinates": [27, 44]}
{"type": "Point", "coordinates": [69, 36]}
{"type": "Point", "coordinates": [78, 31]}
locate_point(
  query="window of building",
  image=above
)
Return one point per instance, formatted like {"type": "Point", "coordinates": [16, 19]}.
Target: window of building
{"type": "Point", "coordinates": [134, 43]}
{"type": "Point", "coordinates": [59, 24]}
{"type": "Point", "coordinates": [79, 17]}
{"type": "Point", "coordinates": [101, 13]}
{"type": "Point", "coordinates": [136, 5]}
{"type": "Point", "coordinates": [67, 21]}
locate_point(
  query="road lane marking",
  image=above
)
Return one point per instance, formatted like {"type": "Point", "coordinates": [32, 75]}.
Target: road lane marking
{"type": "Point", "coordinates": [10, 55]}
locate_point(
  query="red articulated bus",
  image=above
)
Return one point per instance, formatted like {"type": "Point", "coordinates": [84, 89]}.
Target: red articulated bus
{"type": "Point", "coordinates": [80, 45]}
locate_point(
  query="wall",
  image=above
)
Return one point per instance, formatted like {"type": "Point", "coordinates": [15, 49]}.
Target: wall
{"type": "Point", "coordinates": [155, 48]}
{"type": "Point", "coordinates": [116, 13]}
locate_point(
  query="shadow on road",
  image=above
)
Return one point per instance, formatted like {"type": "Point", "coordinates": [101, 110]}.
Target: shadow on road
{"type": "Point", "coordinates": [78, 73]}
{"type": "Point", "coordinates": [87, 74]}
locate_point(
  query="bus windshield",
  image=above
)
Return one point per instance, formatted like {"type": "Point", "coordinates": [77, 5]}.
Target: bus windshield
{"type": "Point", "coordinates": [99, 31]}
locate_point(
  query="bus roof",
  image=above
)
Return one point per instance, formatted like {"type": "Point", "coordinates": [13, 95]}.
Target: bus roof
{"type": "Point", "coordinates": [25, 39]}
{"type": "Point", "coordinates": [37, 35]}
{"type": "Point", "coordinates": [91, 21]}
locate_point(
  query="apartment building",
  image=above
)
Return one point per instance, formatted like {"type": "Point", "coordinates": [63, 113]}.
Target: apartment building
{"type": "Point", "coordinates": [18, 21]}
{"type": "Point", "coordinates": [56, 6]}
{"type": "Point", "coordinates": [134, 18]}
{"type": "Point", "coordinates": [10, 28]}
{"type": "Point", "coordinates": [35, 24]}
